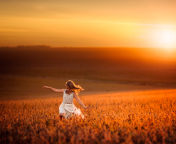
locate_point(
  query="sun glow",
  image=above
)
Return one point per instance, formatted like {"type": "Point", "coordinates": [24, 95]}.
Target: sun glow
{"type": "Point", "coordinates": [165, 39]}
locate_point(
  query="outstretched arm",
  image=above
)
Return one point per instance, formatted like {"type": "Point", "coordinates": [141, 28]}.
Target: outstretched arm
{"type": "Point", "coordinates": [54, 89]}
{"type": "Point", "coordinates": [79, 101]}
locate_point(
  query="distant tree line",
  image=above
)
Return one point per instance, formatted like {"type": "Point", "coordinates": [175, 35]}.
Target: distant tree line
{"type": "Point", "coordinates": [27, 47]}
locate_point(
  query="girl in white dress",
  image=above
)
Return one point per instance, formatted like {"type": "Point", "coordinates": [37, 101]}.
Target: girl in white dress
{"type": "Point", "coordinates": [67, 108]}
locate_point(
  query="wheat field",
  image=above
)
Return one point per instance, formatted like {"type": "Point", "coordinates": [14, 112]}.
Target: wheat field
{"type": "Point", "coordinates": [124, 117]}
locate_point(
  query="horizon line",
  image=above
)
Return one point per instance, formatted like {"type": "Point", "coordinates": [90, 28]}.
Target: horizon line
{"type": "Point", "coordinates": [54, 47]}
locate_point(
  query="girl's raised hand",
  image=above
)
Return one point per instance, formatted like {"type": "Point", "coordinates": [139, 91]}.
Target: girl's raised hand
{"type": "Point", "coordinates": [45, 87]}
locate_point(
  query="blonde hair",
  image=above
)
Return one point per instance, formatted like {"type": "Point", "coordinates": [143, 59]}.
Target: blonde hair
{"type": "Point", "coordinates": [71, 85]}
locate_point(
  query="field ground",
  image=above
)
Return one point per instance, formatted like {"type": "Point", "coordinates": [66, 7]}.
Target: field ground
{"type": "Point", "coordinates": [28, 87]}
{"type": "Point", "coordinates": [131, 92]}
{"type": "Point", "coordinates": [147, 116]}
{"type": "Point", "coordinates": [23, 71]}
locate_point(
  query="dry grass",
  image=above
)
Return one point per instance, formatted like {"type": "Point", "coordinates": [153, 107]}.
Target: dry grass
{"type": "Point", "coordinates": [131, 117]}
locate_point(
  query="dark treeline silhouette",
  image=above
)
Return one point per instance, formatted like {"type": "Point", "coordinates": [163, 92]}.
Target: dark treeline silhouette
{"type": "Point", "coordinates": [27, 47]}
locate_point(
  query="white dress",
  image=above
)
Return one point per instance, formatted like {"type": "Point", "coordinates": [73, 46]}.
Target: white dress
{"type": "Point", "coordinates": [67, 107]}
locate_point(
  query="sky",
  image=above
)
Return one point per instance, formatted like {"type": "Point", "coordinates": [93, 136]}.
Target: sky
{"type": "Point", "coordinates": [88, 23]}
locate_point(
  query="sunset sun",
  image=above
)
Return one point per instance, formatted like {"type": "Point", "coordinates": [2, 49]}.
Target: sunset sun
{"type": "Point", "coordinates": [165, 39]}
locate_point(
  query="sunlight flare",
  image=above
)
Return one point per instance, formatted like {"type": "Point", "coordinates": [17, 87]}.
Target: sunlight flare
{"type": "Point", "coordinates": [165, 39]}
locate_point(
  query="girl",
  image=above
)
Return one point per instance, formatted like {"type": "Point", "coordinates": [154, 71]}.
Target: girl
{"type": "Point", "coordinates": [67, 108]}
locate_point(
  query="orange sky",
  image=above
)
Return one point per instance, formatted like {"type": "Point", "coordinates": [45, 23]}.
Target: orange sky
{"type": "Point", "coordinates": [114, 23]}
